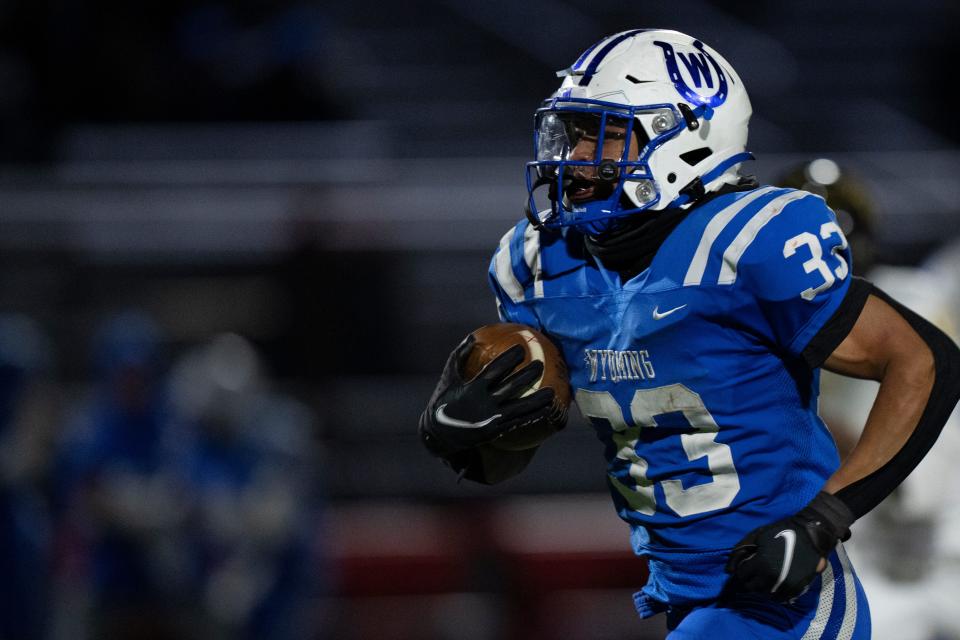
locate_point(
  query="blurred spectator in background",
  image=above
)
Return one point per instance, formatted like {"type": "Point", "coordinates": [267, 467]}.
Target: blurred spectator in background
{"type": "Point", "coordinates": [943, 269]}
{"type": "Point", "coordinates": [26, 420]}
{"type": "Point", "coordinates": [189, 503]}
{"type": "Point", "coordinates": [255, 495]}
{"type": "Point", "coordinates": [122, 496]}
{"type": "Point", "coordinates": [905, 550]}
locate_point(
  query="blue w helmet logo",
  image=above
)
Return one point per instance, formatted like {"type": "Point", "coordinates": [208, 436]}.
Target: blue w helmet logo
{"type": "Point", "coordinates": [704, 73]}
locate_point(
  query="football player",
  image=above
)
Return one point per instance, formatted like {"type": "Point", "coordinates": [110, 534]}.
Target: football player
{"type": "Point", "coordinates": [643, 240]}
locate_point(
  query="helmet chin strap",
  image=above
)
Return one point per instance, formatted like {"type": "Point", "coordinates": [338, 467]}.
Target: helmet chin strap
{"type": "Point", "coordinates": [607, 173]}
{"type": "Point", "coordinates": [528, 211]}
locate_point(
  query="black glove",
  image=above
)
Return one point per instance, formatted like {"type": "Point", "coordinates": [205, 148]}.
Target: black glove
{"type": "Point", "coordinates": [464, 414]}
{"type": "Point", "coordinates": [782, 558]}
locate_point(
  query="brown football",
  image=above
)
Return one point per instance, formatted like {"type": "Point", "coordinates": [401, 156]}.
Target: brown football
{"type": "Point", "coordinates": [494, 339]}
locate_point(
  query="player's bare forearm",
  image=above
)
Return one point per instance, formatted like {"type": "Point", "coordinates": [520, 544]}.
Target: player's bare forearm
{"type": "Point", "coordinates": [883, 346]}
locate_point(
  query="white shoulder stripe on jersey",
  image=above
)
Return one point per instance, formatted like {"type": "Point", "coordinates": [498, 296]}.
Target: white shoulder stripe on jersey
{"type": "Point", "coordinates": [740, 244]}
{"type": "Point", "coordinates": [716, 225]}
{"type": "Point", "coordinates": [504, 270]}
{"type": "Point", "coordinates": [531, 255]}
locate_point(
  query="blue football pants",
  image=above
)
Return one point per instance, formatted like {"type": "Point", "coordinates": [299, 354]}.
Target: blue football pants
{"type": "Point", "coordinates": [834, 608]}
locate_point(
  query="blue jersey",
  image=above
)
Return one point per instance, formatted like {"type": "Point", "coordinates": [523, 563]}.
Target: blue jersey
{"type": "Point", "coordinates": [691, 372]}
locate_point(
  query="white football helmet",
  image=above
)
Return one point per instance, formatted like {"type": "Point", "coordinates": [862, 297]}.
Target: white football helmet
{"type": "Point", "coordinates": [663, 118]}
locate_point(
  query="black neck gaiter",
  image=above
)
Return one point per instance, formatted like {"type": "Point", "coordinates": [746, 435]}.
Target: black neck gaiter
{"type": "Point", "coordinates": [630, 247]}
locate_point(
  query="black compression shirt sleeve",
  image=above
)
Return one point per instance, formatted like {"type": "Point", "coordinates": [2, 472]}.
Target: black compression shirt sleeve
{"type": "Point", "coordinates": [866, 493]}
{"type": "Point", "coordinates": [839, 325]}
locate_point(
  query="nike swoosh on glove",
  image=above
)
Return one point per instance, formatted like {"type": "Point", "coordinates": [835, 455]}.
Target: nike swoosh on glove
{"type": "Point", "coordinates": [463, 414]}
{"type": "Point", "coordinates": [782, 558]}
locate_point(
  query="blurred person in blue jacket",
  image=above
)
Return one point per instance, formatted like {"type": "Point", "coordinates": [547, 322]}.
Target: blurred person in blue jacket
{"type": "Point", "coordinates": [25, 536]}
{"type": "Point", "coordinates": [256, 504]}
{"type": "Point", "coordinates": [123, 494]}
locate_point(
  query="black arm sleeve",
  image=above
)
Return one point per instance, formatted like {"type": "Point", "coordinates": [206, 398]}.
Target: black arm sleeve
{"type": "Point", "coordinates": [866, 493]}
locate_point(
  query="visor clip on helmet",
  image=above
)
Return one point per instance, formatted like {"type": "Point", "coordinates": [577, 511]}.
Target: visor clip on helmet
{"type": "Point", "coordinates": [689, 117]}
{"type": "Point", "coordinates": [694, 190]}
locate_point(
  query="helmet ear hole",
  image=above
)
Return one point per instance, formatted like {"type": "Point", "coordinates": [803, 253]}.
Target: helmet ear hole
{"type": "Point", "coordinates": [696, 156]}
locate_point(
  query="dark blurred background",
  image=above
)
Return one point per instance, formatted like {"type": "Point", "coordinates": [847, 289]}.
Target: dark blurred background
{"type": "Point", "coordinates": [238, 240]}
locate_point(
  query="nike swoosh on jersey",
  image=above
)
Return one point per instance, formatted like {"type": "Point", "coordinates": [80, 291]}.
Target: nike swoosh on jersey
{"type": "Point", "coordinates": [789, 542]}
{"type": "Point", "coordinates": [659, 316]}
{"type": "Point", "coordinates": [443, 418]}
